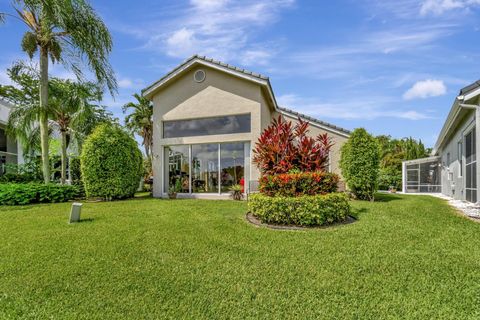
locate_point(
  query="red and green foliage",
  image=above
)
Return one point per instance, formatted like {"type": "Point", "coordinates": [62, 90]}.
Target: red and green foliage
{"type": "Point", "coordinates": [284, 147]}
{"type": "Point", "coordinates": [298, 184]}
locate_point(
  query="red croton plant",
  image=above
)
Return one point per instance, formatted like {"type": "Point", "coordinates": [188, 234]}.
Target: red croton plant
{"type": "Point", "coordinates": [284, 147]}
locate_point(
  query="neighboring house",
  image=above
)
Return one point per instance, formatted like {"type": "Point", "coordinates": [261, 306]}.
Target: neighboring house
{"type": "Point", "coordinates": [452, 169]}
{"type": "Point", "coordinates": [207, 117]}
{"type": "Point", "coordinates": [10, 149]}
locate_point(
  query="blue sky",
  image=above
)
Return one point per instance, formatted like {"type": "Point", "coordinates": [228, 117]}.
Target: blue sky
{"type": "Point", "coordinates": [393, 67]}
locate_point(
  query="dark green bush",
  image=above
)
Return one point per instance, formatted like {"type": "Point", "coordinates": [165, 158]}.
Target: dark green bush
{"type": "Point", "coordinates": [27, 193]}
{"type": "Point", "coordinates": [303, 211]}
{"type": "Point", "coordinates": [360, 164]}
{"type": "Point", "coordinates": [389, 177]}
{"type": "Point", "coordinates": [76, 175]}
{"type": "Point", "coordinates": [111, 163]}
{"type": "Point", "coordinates": [22, 173]}
{"type": "Point", "coordinates": [298, 184]}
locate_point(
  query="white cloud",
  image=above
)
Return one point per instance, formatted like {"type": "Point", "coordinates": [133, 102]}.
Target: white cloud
{"type": "Point", "coordinates": [438, 7]}
{"type": "Point", "coordinates": [370, 108]}
{"type": "Point", "coordinates": [4, 78]}
{"type": "Point", "coordinates": [180, 42]}
{"type": "Point", "coordinates": [128, 83]}
{"type": "Point", "coordinates": [222, 29]}
{"type": "Point", "coordinates": [425, 89]}
{"type": "Point", "coordinates": [256, 56]}
{"type": "Point", "coordinates": [208, 4]}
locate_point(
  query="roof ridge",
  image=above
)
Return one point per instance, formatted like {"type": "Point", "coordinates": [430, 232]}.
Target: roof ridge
{"type": "Point", "coordinates": [309, 118]}
{"type": "Point", "coordinates": [210, 60]}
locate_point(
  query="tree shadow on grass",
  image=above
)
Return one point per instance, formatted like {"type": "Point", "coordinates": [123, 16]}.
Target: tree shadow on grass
{"type": "Point", "coordinates": [357, 212]}
{"type": "Point", "coordinates": [386, 197]}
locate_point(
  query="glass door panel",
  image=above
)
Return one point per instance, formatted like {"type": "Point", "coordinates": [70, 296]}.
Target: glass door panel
{"type": "Point", "coordinates": [232, 165]}
{"type": "Point", "coordinates": [205, 168]}
{"type": "Point", "coordinates": [178, 169]}
{"type": "Point", "coordinates": [470, 167]}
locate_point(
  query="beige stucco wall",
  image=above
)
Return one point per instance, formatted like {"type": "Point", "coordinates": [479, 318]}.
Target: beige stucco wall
{"type": "Point", "coordinates": [337, 139]}
{"type": "Point", "coordinates": [218, 95]}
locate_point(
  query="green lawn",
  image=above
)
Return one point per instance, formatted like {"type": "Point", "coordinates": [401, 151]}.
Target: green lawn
{"type": "Point", "coordinates": [406, 257]}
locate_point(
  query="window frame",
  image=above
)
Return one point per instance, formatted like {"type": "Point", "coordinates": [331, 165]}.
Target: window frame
{"type": "Point", "coordinates": [165, 123]}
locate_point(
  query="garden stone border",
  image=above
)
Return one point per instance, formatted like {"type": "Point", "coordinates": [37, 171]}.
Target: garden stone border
{"type": "Point", "coordinates": [255, 221]}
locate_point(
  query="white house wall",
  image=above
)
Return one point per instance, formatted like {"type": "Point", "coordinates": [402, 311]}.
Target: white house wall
{"type": "Point", "coordinates": [452, 183]}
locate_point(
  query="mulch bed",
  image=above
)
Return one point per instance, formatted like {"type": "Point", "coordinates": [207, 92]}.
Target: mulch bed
{"type": "Point", "coordinates": [254, 220]}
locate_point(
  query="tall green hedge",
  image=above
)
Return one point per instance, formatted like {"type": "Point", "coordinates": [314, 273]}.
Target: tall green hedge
{"type": "Point", "coordinates": [111, 163]}
{"type": "Point", "coordinates": [360, 164]}
{"type": "Point", "coordinates": [12, 194]}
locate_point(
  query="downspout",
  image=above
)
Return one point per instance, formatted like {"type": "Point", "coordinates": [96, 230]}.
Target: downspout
{"type": "Point", "coordinates": [477, 139]}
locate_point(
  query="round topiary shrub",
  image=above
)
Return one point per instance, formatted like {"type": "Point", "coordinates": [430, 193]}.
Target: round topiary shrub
{"type": "Point", "coordinates": [111, 163]}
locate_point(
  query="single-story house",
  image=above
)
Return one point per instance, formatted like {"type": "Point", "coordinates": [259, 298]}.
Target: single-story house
{"type": "Point", "coordinates": [452, 169]}
{"type": "Point", "coordinates": [207, 117]}
{"type": "Point", "coordinates": [10, 149]}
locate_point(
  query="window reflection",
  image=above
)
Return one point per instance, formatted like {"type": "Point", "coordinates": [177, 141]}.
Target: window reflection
{"type": "Point", "coordinates": [3, 140]}
{"type": "Point", "coordinates": [205, 168]}
{"type": "Point", "coordinates": [232, 165]}
{"type": "Point", "coordinates": [178, 168]}
{"type": "Point", "coordinates": [207, 126]}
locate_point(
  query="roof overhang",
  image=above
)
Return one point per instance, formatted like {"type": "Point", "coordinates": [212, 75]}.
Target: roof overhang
{"type": "Point", "coordinates": [264, 82]}
{"type": "Point", "coordinates": [422, 160]}
{"type": "Point", "coordinates": [316, 123]}
{"type": "Point", "coordinates": [459, 109]}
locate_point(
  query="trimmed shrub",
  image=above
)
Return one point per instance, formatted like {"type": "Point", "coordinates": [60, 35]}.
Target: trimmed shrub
{"type": "Point", "coordinates": [360, 164]}
{"type": "Point", "coordinates": [303, 211]}
{"type": "Point", "coordinates": [298, 184]}
{"type": "Point", "coordinates": [76, 175]}
{"type": "Point", "coordinates": [111, 163]}
{"type": "Point", "coordinates": [389, 177]}
{"type": "Point", "coordinates": [27, 193]}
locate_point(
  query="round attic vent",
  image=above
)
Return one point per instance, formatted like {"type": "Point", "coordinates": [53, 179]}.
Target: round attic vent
{"type": "Point", "coordinates": [199, 76]}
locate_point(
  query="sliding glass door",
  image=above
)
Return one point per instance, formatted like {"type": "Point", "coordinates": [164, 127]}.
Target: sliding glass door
{"type": "Point", "coordinates": [470, 167]}
{"type": "Point", "coordinates": [232, 165]}
{"type": "Point", "coordinates": [205, 168]}
{"type": "Point", "coordinates": [177, 168]}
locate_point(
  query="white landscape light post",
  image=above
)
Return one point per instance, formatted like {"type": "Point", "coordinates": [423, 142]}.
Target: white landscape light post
{"type": "Point", "coordinates": [75, 212]}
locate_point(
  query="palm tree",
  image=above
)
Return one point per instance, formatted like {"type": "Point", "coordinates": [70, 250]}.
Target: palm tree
{"type": "Point", "coordinates": [140, 121]}
{"type": "Point", "coordinates": [72, 109]}
{"type": "Point", "coordinates": [69, 32]}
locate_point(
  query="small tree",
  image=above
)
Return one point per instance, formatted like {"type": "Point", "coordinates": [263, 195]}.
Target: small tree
{"type": "Point", "coordinates": [111, 163]}
{"type": "Point", "coordinates": [360, 164]}
{"type": "Point", "coordinates": [283, 147]}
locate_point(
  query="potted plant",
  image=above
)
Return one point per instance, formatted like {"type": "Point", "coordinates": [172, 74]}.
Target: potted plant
{"type": "Point", "coordinates": [392, 189]}
{"type": "Point", "coordinates": [175, 189]}
{"type": "Point", "coordinates": [236, 192]}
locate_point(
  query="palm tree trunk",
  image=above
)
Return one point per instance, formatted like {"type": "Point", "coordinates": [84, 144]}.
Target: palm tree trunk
{"type": "Point", "coordinates": [43, 119]}
{"type": "Point", "coordinates": [63, 177]}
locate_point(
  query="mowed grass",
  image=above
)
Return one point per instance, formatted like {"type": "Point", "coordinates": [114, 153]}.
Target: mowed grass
{"type": "Point", "coordinates": [409, 257]}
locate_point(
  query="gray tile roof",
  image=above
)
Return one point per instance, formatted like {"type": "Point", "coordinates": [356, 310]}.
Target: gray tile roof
{"type": "Point", "coordinates": [470, 87]}
{"type": "Point", "coordinates": [314, 120]}
{"type": "Point", "coordinates": [204, 58]}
